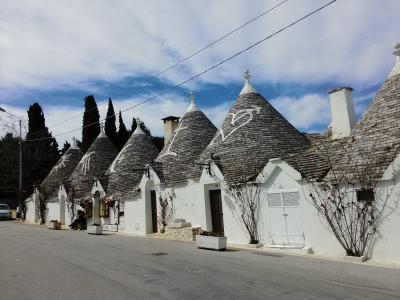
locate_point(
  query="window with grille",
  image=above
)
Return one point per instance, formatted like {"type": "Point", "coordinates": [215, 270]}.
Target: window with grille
{"type": "Point", "coordinates": [283, 199]}
{"type": "Point", "coordinates": [104, 209]}
{"type": "Point", "coordinates": [366, 196]}
{"type": "Point", "coordinates": [274, 199]}
{"type": "Point", "coordinates": [290, 199]}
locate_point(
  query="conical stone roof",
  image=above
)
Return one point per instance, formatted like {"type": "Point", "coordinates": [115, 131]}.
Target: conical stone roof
{"type": "Point", "coordinates": [93, 164]}
{"type": "Point", "coordinates": [193, 134]}
{"type": "Point", "coordinates": [127, 169]}
{"type": "Point", "coordinates": [61, 171]}
{"type": "Point", "coordinates": [375, 141]}
{"type": "Point", "coordinates": [252, 133]}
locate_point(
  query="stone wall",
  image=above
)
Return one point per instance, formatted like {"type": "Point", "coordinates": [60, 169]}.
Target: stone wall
{"type": "Point", "coordinates": [179, 234]}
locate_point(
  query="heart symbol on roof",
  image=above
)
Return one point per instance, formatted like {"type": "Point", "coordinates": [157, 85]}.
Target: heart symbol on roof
{"type": "Point", "coordinates": [235, 117]}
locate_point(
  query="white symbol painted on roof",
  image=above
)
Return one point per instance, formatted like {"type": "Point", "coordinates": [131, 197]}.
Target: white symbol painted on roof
{"type": "Point", "coordinates": [86, 162]}
{"type": "Point", "coordinates": [64, 159]}
{"type": "Point", "coordinates": [235, 117]}
{"type": "Point", "coordinates": [119, 158]}
{"type": "Point", "coordinates": [169, 152]}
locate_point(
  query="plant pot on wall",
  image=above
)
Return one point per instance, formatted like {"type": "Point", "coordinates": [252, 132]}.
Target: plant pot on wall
{"type": "Point", "coordinates": [54, 225]}
{"type": "Point", "coordinates": [95, 229]}
{"type": "Point", "coordinates": [211, 242]}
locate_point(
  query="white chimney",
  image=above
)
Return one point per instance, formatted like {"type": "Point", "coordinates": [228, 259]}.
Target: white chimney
{"type": "Point", "coordinates": [342, 110]}
{"type": "Point", "coordinates": [170, 123]}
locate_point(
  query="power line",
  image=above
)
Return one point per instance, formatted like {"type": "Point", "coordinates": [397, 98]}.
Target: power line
{"type": "Point", "coordinates": [187, 57]}
{"type": "Point", "coordinates": [206, 70]}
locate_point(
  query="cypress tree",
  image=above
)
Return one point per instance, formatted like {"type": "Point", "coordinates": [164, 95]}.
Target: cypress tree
{"type": "Point", "coordinates": [65, 147]}
{"type": "Point", "coordinates": [9, 168]}
{"type": "Point", "coordinates": [41, 153]}
{"type": "Point", "coordinates": [123, 134]}
{"type": "Point", "coordinates": [158, 141]}
{"type": "Point", "coordinates": [90, 116]}
{"type": "Point", "coordinates": [142, 126]}
{"type": "Point", "coordinates": [109, 127]}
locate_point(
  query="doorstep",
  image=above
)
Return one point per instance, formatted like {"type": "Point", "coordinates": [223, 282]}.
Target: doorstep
{"type": "Point", "coordinates": [284, 250]}
{"type": "Point", "coordinates": [305, 253]}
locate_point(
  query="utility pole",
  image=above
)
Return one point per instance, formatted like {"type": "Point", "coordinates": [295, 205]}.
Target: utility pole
{"type": "Point", "coordinates": [20, 171]}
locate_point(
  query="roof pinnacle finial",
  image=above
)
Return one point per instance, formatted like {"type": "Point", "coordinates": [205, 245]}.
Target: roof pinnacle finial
{"type": "Point", "coordinates": [192, 107]}
{"type": "Point", "coordinates": [247, 75]}
{"type": "Point", "coordinates": [138, 129]}
{"type": "Point", "coordinates": [248, 88]}
{"type": "Point", "coordinates": [74, 143]}
{"type": "Point", "coordinates": [396, 68]}
{"type": "Point", "coordinates": [102, 132]}
{"type": "Point", "coordinates": [192, 97]}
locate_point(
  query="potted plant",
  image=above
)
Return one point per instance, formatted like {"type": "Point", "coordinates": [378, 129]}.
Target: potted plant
{"type": "Point", "coordinates": [209, 240]}
{"type": "Point", "coordinates": [54, 225]}
{"type": "Point", "coordinates": [95, 229]}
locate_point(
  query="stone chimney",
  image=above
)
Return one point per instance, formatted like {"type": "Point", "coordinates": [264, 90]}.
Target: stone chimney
{"type": "Point", "coordinates": [170, 123]}
{"type": "Point", "coordinates": [342, 110]}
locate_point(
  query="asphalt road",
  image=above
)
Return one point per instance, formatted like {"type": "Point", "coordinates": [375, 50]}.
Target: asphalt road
{"type": "Point", "coordinates": [36, 263]}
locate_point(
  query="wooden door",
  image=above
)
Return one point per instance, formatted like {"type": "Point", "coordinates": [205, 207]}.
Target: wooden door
{"type": "Point", "coordinates": [285, 219]}
{"type": "Point", "coordinates": [154, 211]}
{"type": "Point", "coordinates": [217, 216]}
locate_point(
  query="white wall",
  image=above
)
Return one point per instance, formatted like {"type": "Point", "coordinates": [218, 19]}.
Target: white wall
{"type": "Point", "coordinates": [137, 211]}
{"type": "Point", "coordinates": [233, 229]}
{"type": "Point", "coordinates": [317, 235]}
{"type": "Point", "coordinates": [53, 211]}
{"type": "Point", "coordinates": [386, 246]}
{"type": "Point", "coordinates": [31, 209]}
{"type": "Point", "coordinates": [191, 202]}
{"type": "Point", "coordinates": [188, 200]}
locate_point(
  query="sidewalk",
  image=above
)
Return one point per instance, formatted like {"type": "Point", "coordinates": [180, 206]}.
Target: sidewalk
{"type": "Point", "coordinates": [245, 247]}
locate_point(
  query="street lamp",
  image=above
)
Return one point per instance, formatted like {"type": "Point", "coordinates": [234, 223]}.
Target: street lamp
{"type": "Point", "coordinates": [20, 160]}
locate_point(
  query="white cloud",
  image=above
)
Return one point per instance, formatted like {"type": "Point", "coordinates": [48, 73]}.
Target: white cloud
{"type": "Point", "coordinates": [57, 44]}
{"type": "Point", "coordinates": [306, 112]}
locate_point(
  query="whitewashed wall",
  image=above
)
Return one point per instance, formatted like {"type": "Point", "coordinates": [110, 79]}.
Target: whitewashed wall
{"type": "Point", "coordinates": [386, 246]}
{"type": "Point", "coordinates": [53, 211]}
{"type": "Point", "coordinates": [137, 210]}
{"type": "Point", "coordinates": [31, 209]}
{"type": "Point", "coordinates": [232, 228]}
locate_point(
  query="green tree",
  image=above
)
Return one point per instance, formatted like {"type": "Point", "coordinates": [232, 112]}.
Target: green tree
{"type": "Point", "coordinates": [40, 151]}
{"type": "Point", "coordinates": [65, 147]}
{"type": "Point", "coordinates": [109, 127]}
{"type": "Point", "coordinates": [158, 141]}
{"type": "Point", "coordinates": [91, 125]}
{"type": "Point", "coordinates": [9, 166]}
{"type": "Point", "coordinates": [123, 134]}
{"type": "Point", "coordinates": [142, 126]}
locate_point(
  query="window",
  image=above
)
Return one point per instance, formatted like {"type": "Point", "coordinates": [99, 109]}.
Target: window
{"type": "Point", "coordinates": [104, 211]}
{"type": "Point", "coordinates": [283, 199]}
{"type": "Point", "coordinates": [366, 196]}
{"type": "Point", "coordinates": [274, 199]}
{"type": "Point", "coordinates": [4, 207]}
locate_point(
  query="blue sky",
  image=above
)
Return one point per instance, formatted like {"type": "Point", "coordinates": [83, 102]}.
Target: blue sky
{"type": "Point", "coordinates": [56, 53]}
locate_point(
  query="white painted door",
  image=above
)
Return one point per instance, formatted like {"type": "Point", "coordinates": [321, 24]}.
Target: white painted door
{"type": "Point", "coordinates": [286, 226]}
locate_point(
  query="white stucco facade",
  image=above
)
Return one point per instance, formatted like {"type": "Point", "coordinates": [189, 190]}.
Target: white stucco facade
{"type": "Point", "coordinates": [32, 204]}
